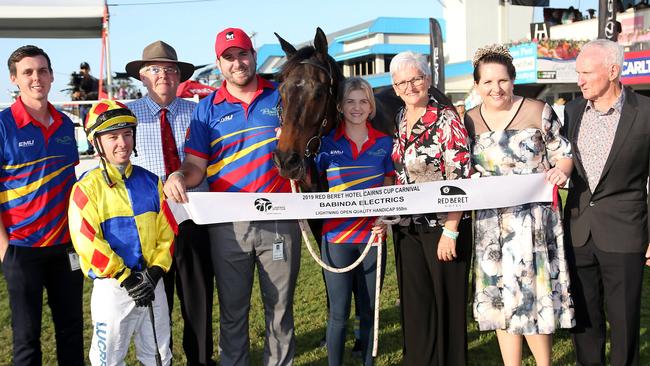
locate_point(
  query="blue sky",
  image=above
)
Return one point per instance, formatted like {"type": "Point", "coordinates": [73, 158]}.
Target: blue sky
{"type": "Point", "coordinates": [191, 28]}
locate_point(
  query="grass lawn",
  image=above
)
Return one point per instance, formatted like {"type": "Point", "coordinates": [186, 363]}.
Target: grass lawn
{"type": "Point", "coordinates": [310, 317]}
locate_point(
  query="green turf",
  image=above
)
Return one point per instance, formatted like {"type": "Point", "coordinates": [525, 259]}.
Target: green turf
{"type": "Point", "coordinates": [310, 317]}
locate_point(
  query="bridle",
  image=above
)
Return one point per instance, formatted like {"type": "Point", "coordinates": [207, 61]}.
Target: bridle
{"type": "Point", "coordinates": [316, 139]}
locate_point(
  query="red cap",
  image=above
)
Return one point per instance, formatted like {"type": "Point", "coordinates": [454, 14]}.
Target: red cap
{"type": "Point", "coordinates": [232, 37]}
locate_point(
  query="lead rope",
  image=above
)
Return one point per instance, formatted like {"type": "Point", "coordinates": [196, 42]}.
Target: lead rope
{"type": "Point", "coordinates": [305, 230]}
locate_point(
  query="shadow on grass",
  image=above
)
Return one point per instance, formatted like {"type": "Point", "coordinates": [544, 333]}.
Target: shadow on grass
{"type": "Point", "coordinates": [309, 351]}
{"type": "Point", "coordinates": [310, 315]}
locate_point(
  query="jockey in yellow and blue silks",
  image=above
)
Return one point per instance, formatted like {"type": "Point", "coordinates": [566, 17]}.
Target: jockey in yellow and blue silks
{"type": "Point", "coordinates": [123, 232]}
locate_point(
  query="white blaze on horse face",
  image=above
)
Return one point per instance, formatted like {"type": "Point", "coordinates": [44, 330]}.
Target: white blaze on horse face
{"type": "Point", "coordinates": [356, 107]}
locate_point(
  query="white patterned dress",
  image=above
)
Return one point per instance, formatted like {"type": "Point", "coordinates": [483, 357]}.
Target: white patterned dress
{"type": "Point", "coordinates": [521, 276]}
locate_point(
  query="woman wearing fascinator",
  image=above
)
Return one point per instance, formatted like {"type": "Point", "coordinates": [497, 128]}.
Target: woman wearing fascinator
{"type": "Point", "coordinates": [521, 275]}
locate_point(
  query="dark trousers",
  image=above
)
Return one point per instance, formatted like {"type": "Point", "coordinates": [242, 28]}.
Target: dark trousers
{"type": "Point", "coordinates": [339, 289]}
{"type": "Point", "coordinates": [27, 271]}
{"type": "Point", "coordinates": [192, 272]}
{"type": "Point", "coordinates": [614, 279]}
{"type": "Point", "coordinates": [433, 295]}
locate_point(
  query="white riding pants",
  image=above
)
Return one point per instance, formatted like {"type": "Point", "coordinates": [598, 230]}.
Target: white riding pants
{"type": "Point", "coordinates": [116, 319]}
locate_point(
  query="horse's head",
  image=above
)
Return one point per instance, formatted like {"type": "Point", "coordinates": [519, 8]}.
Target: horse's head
{"type": "Point", "coordinates": [309, 82]}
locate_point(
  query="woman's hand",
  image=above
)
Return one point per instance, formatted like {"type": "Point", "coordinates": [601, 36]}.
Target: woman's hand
{"type": "Point", "coordinates": [446, 249]}
{"type": "Point", "coordinates": [556, 176]}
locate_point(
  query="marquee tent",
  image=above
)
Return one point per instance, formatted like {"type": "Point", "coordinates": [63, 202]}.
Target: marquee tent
{"type": "Point", "coordinates": [58, 19]}
{"type": "Point", "coordinates": [51, 18]}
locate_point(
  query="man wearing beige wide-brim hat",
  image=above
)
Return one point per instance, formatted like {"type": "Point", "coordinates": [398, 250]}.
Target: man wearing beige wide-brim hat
{"type": "Point", "coordinates": [155, 53]}
{"type": "Point", "coordinates": [163, 119]}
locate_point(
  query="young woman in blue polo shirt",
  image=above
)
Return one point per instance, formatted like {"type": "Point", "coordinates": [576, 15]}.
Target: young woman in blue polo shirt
{"type": "Point", "coordinates": [353, 156]}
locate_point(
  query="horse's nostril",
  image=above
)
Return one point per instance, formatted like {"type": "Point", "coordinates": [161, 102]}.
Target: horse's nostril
{"type": "Point", "coordinates": [286, 159]}
{"type": "Point", "coordinates": [294, 159]}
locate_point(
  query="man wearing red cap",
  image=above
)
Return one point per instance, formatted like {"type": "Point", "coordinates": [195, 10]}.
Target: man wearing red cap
{"type": "Point", "coordinates": [231, 138]}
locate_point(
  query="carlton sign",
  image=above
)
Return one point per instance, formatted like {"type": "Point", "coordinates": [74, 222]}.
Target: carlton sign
{"type": "Point", "coordinates": [636, 68]}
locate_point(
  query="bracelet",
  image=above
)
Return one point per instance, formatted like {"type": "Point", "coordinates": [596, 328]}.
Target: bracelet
{"type": "Point", "coordinates": [177, 172]}
{"type": "Point", "coordinates": [450, 234]}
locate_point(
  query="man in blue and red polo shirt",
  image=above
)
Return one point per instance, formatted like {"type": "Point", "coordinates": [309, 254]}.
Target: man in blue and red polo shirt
{"type": "Point", "coordinates": [38, 153]}
{"type": "Point", "coordinates": [231, 139]}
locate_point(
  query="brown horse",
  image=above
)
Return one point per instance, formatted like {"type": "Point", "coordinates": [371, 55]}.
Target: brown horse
{"type": "Point", "coordinates": [309, 89]}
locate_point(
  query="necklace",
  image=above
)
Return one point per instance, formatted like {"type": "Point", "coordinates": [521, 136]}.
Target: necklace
{"type": "Point", "coordinates": [488, 125]}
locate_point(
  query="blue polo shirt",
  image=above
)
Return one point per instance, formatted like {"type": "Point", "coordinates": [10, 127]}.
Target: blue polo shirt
{"type": "Point", "coordinates": [237, 139]}
{"type": "Point", "coordinates": [36, 176]}
{"type": "Point", "coordinates": [347, 168]}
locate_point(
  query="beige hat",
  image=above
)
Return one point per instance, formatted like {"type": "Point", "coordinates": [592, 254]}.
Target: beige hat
{"type": "Point", "coordinates": [159, 51]}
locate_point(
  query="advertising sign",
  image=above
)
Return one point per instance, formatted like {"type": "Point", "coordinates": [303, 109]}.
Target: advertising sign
{"type": "Point", "coordinates": [636, 68]}
{"type": "Point", "coordinates": [608, 27]}
{"type": "Point", "coordinates": [524, 57]}
{"type": "Point", "coordinates": [550, 71]}
{"type": "Point", "coordinates": [437, 55]}
{"type": "Point", "coordinates": [556, 61]}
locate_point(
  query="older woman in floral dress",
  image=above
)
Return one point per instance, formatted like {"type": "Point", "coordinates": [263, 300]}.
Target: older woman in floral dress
{"type": "Point", "coordinates": [433, 251]}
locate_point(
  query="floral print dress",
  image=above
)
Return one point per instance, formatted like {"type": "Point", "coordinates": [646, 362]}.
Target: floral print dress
{"type": "Point", "coordinates": [437, 149]}
{"type": "Point", "coordinates": [521, 275]}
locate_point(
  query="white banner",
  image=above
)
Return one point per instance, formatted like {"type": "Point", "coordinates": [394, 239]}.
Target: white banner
{"type": "Point", "coordinates": [441, 196]}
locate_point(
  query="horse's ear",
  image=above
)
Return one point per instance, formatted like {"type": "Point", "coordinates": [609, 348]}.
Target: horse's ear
{"type": "Point", "coordinates": [320, 41]}
{"type": "Point", "coordinates": [287, 47]}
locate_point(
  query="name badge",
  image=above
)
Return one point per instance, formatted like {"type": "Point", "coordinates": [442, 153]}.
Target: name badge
{"type": "Point", "coordinates": [278, 249]}
{"type": "Point", "coordinates": [73, 258]}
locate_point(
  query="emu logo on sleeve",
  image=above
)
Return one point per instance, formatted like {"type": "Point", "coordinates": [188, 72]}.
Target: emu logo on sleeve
{"type": "Point", "coordinates": [226, 118]}
{"type": "Point", "coordinates": [26, 143]}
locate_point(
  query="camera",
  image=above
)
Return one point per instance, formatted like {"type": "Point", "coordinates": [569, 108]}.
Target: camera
{"type": "Point", "coordinates": [75, 85]}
